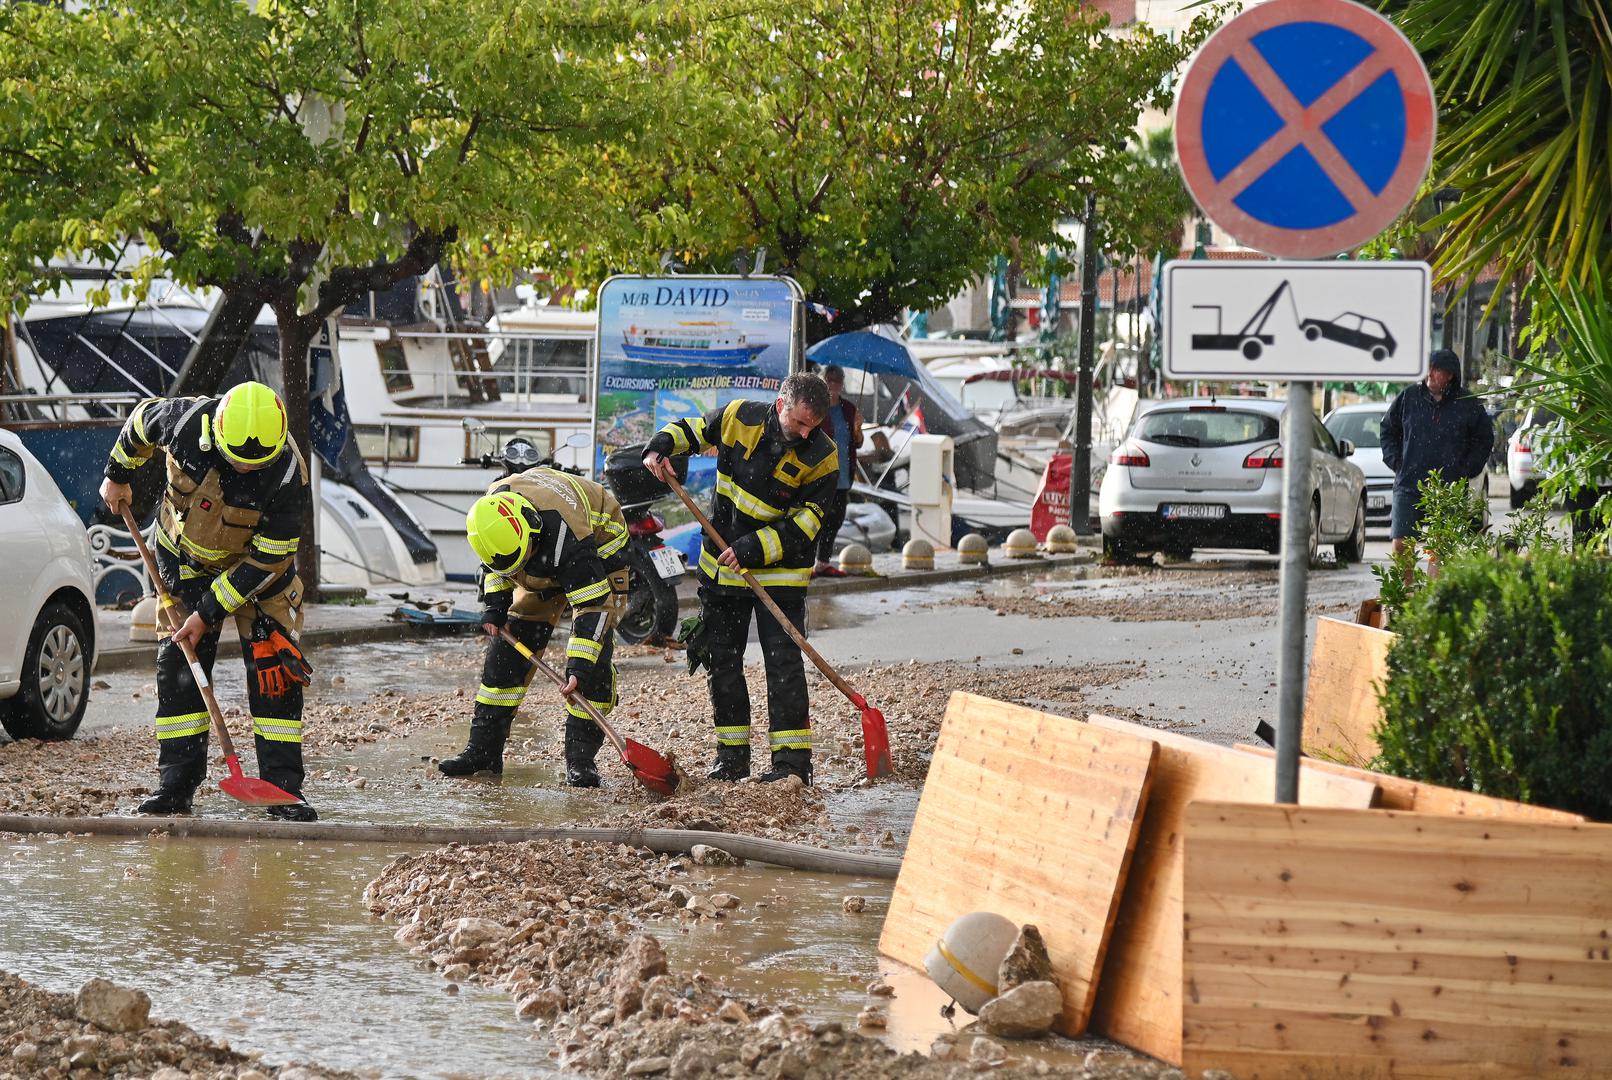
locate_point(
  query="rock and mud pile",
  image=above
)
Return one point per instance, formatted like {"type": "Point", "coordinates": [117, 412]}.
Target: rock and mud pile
{"type": "Point", "coordinates": [568, 931]}
{"type": "Point", "coordinates": [106, 1030]}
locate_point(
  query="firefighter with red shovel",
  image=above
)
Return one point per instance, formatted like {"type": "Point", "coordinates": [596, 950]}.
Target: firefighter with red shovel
{"type": "Point", "coordinates": [227, 533]}
{"type": "Point", "coordinates": [775, 477]}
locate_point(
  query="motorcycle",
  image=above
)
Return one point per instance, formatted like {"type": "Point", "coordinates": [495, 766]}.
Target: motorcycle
{"type": "Point", "coordinates": [654, 569]}
{"type": "Point", "coordinates": [651, 614]}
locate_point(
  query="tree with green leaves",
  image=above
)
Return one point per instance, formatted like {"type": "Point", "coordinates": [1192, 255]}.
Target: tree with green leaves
{"type": "Point", "coordinates": [1524, 88]}
{"type": "Point", "coordinates": [883, 152]}
{"type": "Point", "coordinates": [301, 155]}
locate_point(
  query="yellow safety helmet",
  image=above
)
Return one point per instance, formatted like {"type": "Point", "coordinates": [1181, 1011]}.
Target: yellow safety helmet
{"type": "Point", "coordinates": [249, 425]}
{"type": "Point", "coordinates": [500, 529]}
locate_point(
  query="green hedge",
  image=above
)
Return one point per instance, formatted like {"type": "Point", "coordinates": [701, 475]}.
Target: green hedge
{"type": "Point", "coordinates": [1501, 681]}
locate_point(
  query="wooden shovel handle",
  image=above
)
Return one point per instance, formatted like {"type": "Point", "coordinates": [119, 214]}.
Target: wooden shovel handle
{"type": "Point", "coordinates": [167, 609]}
{"type": "Point", "coordinates": [789, 627]}
{"type": "Point", "coordinates": [574, 698]}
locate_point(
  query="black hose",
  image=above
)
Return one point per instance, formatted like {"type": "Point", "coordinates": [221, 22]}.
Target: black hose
{"type": "Point", "coordinates": [663, 841]}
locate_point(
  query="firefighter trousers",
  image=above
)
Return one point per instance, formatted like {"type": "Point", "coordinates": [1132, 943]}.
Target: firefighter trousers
{"type": "Point", "coordinates": [182, 724]}
{"type": "Point", "coordinates": [727, 627]}
{"type": "Point", "coordinates": [506, 675]}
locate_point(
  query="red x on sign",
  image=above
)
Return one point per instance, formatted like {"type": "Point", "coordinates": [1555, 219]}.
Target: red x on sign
{"type": "Point", "coordinates": [1304, 127]}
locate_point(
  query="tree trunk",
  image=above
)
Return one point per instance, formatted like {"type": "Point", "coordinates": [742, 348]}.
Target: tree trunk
{"type": "Point", "coordinates": [296, 333]}
{"type": "Point", "coordinates": [229, 324]}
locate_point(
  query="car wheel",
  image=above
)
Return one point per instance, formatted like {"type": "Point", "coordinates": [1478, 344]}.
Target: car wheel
{"type": "Point", "coordinates": [1353, 549]}
{"type": "Point", "coordinates": [1116, 553]}
{"type": "Point", "coordinates": [1315, 529]}
{"type": "Point", "coordinates": [1312, 333]}
{"type": "Point", "coordinates": [1252, 347]}
{"type": "Point", "coordinates": [1379, 353]}
{"type": "Point", "coordinates": [55, 679]}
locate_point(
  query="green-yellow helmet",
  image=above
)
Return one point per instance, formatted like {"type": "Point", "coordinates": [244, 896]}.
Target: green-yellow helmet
{"type": "Point", "coordinates": [249, 425]}
{"type": "Point", "coordinates": [500, 530]}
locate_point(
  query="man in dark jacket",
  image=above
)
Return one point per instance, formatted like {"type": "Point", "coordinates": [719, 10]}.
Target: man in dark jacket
{"type": "Point", "coordinates": [1435, 424]}
{"type": "Point", "coordinates": [775, 477]}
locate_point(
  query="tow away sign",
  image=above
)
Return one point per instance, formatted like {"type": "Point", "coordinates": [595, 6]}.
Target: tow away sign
{"type": "Point", "coordinates": [1297, 320]}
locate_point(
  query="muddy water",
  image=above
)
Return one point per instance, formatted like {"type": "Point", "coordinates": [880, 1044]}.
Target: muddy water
{"type": "Point", "coordinates": [265, 945]}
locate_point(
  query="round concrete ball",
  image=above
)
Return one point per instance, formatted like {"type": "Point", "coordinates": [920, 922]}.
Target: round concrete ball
{"type": "Point", "coordinates": [856, 559]}
{"type": "Point", "coordinates": [1061, 540]}
{"type": "Point", "coordinates": [143, 620]}
{"type": "Point", "coordinates": [918, 555]}
{"type": "Point", "coordinates": [965, 961]}
{"type": "Point", "coordinates": [972, 550]}
{"type": "Point", "coordinates": [1020, 544]}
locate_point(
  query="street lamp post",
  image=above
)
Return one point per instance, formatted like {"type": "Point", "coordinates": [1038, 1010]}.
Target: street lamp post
{"type": "Point", "coordinates": [1080, 469]}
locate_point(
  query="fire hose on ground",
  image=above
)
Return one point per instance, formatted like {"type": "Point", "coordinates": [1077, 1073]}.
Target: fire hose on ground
{"type": "Point", "coordinates": [661, 841]}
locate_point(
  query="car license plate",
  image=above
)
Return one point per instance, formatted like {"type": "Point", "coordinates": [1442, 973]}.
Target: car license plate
{"type": "Point", "coordinates": [1376, 502]}
{"type": "Point", "coordinates": [667, 563]}
{"type": "Point", "coordinates": [1192, 512]}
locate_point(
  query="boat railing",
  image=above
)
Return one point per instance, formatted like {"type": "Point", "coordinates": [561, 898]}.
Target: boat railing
{"type": "Point", "coordinates": [23, 412]}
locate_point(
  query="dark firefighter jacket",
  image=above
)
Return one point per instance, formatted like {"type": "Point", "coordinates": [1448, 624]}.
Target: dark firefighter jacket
{"type": "Point", "coordinates": [770, 495]}
{"type": "Point", "coordinates": [242, 527]}
{"type": "Point", "coordinates": [578, 544]}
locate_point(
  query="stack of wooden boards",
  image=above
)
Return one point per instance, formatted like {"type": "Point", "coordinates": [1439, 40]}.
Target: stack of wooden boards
{"type": "Point", "coordinates": [1382, 928]}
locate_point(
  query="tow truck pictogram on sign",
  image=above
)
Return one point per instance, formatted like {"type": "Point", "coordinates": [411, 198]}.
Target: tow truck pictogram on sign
{"type": "Point", "coordinates": [1352, 329]}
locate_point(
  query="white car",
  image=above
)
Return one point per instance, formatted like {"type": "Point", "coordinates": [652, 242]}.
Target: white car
{"type": "Point", "coordinates": [1205, 472]}
{"type": "Point", "coordinates": [1523, 450]}
{"type": "Point", "coordinates": [47, 640]}
{"type": "Point", "coordinates": [1362, 426]}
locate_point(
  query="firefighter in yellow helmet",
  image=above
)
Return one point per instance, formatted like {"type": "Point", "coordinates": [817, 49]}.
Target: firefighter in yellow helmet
{"type": "Point", "coordinates": [227, 533]}
{"type": "Point", "coordinates": [547, 540]}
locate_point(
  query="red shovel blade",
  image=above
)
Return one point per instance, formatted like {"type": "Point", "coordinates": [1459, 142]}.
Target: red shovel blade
{"type": "Point", "coordinates": [875, 743]}
{"type": "Point", "coordinates": [250, 790]}
{"type": "Point", "coordinates": [649, 768]}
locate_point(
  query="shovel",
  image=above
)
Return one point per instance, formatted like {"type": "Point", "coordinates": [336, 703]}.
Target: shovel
{"type": "Point", "coordinates": [237, 785]}
{"type": "Point", "coordinates": [875, 736]}
{"type": "Point", "coordinates": [648, 767]}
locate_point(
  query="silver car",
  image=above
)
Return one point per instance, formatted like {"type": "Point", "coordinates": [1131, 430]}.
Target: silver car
{"type": "Point", "coordinates": [1207, 473]}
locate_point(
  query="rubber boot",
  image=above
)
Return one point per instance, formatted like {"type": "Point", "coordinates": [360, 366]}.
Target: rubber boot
{"type": "Point", "coordinates": [484, 753]}
{"type": "Point", "coordinates": [181, 768]}
{"type": "Point", "coordinates": [294, 812]}
{"type": "Point", "coordinates": [168, 801]}
{"type": "Point", "coordinates": [582, 741]}
{"type": "Point", "coordinates": [787, 763]}
{"type": "Point", "coordinates": [732, 764]}
{"type": "Point", "coordinates": [581, 772]}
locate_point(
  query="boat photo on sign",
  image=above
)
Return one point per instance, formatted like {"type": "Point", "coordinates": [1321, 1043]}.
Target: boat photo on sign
{"type": "Point", "coordinates": [681, 346]}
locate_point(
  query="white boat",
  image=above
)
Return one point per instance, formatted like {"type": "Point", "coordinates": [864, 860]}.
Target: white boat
{"type": "Point", "coordinates": [423, 397]}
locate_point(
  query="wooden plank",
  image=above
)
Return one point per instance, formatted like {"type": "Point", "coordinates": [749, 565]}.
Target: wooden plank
{"type": "Point", "coordinates": [1389, 945]}
{"type": "Point", "coordinates": [1348, 663]}
{"type": "Point", "coordinates": [1401, 794]}
{"type": "Point", "coordinates": [1029, 815]}
{"type": "Point", "coordinates": [1139, 995]}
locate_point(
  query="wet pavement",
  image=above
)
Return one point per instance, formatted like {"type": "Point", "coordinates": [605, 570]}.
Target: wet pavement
{"type": "Point", "coordinates": [266, 945]}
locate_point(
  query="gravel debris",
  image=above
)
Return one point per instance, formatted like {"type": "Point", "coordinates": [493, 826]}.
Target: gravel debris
{"type": "Point", "coordinates": [42, 1036]}
{"type": "Point", "coordinates": [568, 929]}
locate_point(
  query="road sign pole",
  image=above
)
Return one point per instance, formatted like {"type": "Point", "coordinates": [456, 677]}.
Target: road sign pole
{"type": "Point", "coordinates": [1296, 526]}
{"type": "Point", "coordinates": [1080, 460]}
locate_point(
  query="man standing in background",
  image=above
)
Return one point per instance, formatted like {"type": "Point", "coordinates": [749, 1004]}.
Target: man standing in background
{"type": "Point", "coordinates": [844, 426]}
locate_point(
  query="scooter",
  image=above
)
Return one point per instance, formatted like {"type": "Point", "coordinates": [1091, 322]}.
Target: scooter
{"type": "Point", "coordinates": [651, 615]}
